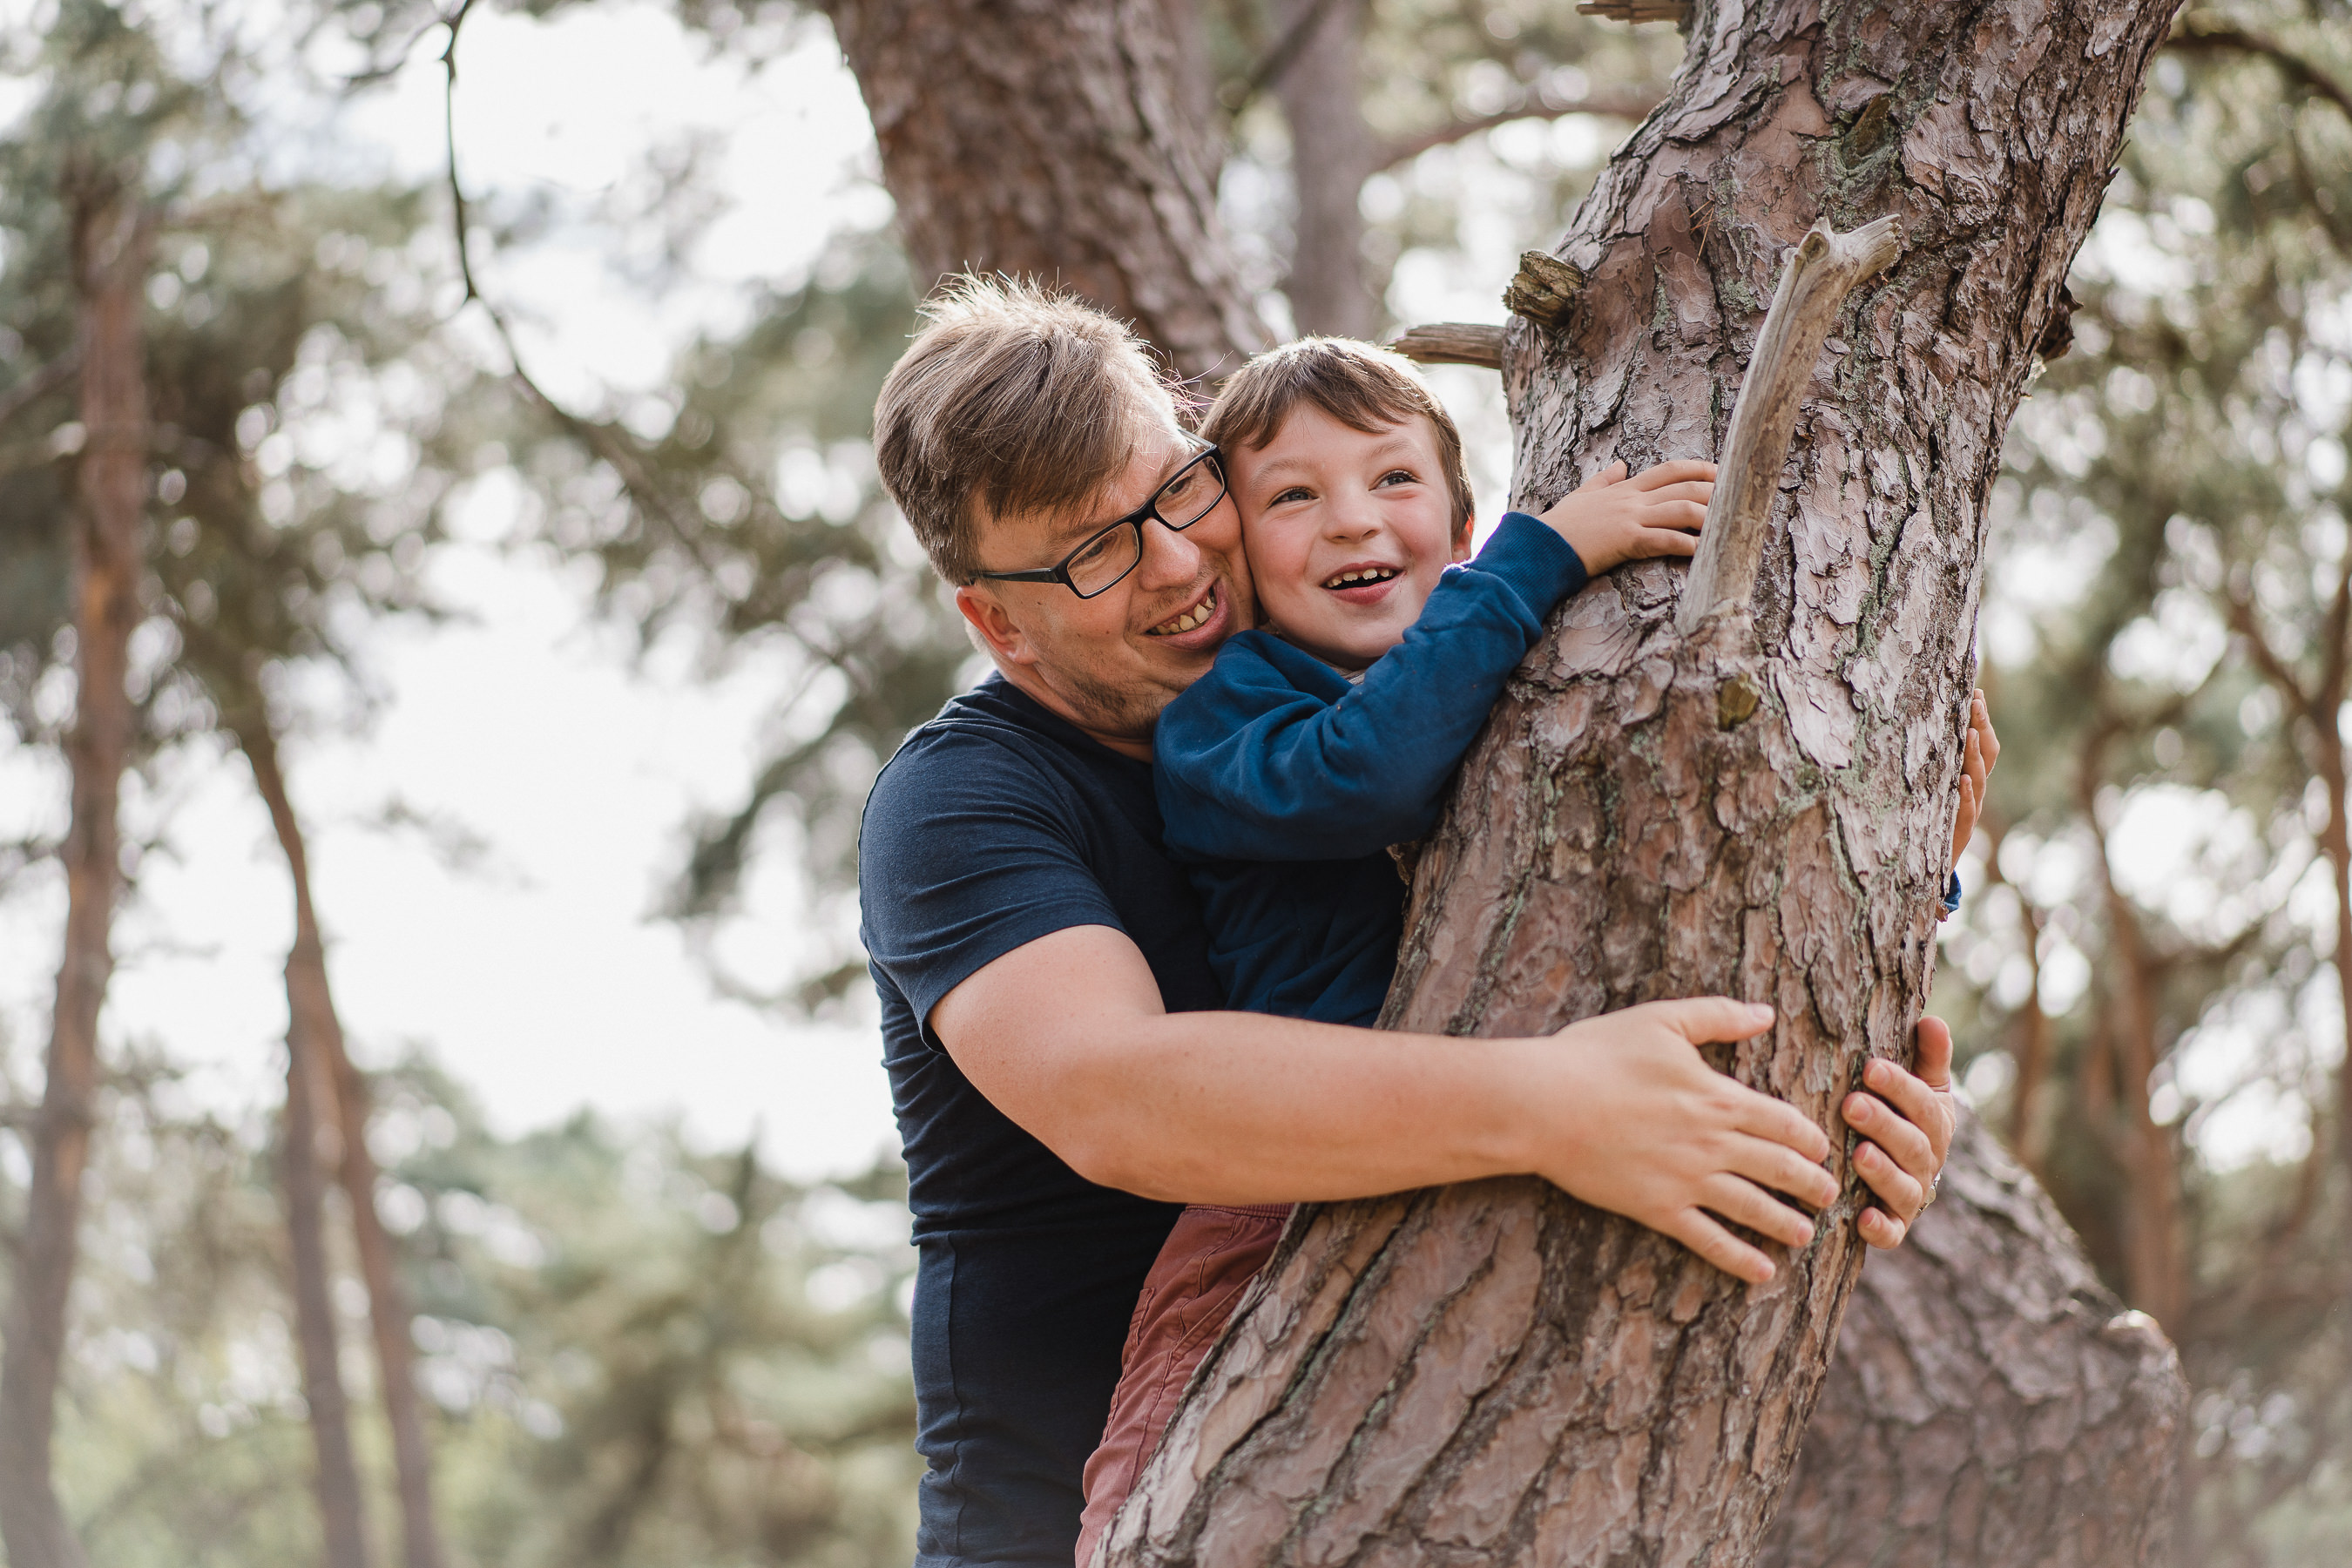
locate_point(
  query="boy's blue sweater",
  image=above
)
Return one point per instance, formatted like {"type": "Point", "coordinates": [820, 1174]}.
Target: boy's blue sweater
{"type": "Point", "coordinates": [1282, 784]}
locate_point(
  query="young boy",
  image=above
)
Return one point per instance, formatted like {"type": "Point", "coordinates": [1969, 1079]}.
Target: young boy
{"type": "Point", "coordinates": [1315, 742]}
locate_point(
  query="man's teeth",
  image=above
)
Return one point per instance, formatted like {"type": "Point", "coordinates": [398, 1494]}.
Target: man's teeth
{"type": "Point", "coordinates": [1191, 620]}
{"type": "Point", "coordinates": [1361, 574]}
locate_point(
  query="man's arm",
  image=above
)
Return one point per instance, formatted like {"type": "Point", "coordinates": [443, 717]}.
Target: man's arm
{"type": "Point", "coordinates": [1066, 1036]}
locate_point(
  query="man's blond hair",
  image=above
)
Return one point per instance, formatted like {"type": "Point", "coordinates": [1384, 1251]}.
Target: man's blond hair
{"type": "Point", "coordinates": [1014, 398]}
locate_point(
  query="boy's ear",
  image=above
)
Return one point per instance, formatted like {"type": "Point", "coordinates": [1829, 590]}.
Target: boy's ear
{"type": "Point", "coordinates": [1462, 539]}
{"type": "Point", "coordinates": [999, 635]}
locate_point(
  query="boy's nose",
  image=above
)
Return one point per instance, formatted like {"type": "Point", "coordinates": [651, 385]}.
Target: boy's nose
{"type": "Point", "coordinates": [1350, 517]}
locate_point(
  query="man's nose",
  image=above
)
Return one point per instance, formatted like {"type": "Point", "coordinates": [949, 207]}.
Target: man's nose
{"type": "Point", "coordinates": [1170, 559]}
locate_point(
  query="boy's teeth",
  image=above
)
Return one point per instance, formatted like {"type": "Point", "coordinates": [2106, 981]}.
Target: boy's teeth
{"type": "Point", "coordinates": [1363, 574]}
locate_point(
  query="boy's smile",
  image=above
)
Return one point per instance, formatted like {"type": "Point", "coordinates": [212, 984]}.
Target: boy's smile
{"type": "Point", "coordinates": [1348, 531]}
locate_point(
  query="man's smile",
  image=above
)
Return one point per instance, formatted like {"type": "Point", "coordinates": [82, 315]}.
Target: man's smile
{"type": "Point", "coordinates": [1190, 619]}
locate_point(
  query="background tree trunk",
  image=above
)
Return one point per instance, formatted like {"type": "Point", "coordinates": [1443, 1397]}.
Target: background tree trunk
{"type": "Point", "coordinates": [341, 1511]}
{"type": "Point", "coordinates": [310, 1005]}
{"type": "Point", "coordinates": [1061, 141]}
{"type": "Point", "coordinates": [112, 236]}
{"type": "Point", "coordinates": [1754, 803]}
{"type": "Point", "coordinates": [1988, 1395]}
{"type": "Point", "coordinates": [1332, 154]}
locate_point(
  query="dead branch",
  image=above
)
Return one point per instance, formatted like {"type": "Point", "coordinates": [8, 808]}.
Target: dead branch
{"type": "Point", "coordinates": [1825, 267]}
{"type": "Point", "coordinates": [1453, 342]}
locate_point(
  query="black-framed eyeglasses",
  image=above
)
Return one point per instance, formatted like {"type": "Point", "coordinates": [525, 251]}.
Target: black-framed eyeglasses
{"type": "Point", "coordinates": [1113, 550]}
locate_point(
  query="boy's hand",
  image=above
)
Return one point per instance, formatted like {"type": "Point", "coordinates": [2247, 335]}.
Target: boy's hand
{"type": "Point", "coordinates": [1982, 751]}
{"type": "Point", "coordinates": [1658, 512]}
{"type": "Point", "coordinates": [1654, 1133]}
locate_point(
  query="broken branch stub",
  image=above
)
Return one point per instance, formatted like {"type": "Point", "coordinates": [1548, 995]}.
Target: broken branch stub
{"type": "Point", "coordinates": [1825, 267]}
{"type": "Point", "coordinates": [1676, 11]}
{"type": "Point", "coordinates": [1545, 290]}
{"type": "Point", "coordinates": [1453, 342]}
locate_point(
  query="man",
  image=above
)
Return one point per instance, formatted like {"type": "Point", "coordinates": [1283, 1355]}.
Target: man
{"type": "Point", "coordinates": [1062, 1077]}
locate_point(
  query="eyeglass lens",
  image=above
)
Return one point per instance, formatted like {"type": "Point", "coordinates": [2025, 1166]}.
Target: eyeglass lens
{"type": "Point", "coordinates": [1182, 501]}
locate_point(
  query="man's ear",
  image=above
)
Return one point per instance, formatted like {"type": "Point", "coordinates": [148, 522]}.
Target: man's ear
{"type": "Point", "coordinates": [1000, 635]}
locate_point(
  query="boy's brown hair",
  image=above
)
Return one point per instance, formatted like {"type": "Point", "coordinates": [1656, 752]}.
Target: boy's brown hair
{"type": "Point", "coordinates": [1013, 398]}
{"type": "Point", "coordinates": [1363, 386]}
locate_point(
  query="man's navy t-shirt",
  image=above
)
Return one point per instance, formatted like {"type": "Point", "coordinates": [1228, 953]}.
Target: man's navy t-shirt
{"type": "Point", "coordinates": [997, 823]}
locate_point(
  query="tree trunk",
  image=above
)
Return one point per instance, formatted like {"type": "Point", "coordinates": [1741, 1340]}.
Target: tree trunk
{"type": "Point", "coordinates": [1332, 154]}
{"type": "Point", "coordinates": [111, 234]}
{"type": "Point", "coordinates": [1060, 140]}
{"type": "Point", "coordinates": [1750, 793]}
{"type": "Point", "coordinates": [341, 1511]}
{"type": "Point", "coordinates": [1989, 1395]}
{"type": "Point", "coordinates": [2155, 1260]}
{"type": "Point", "coordinates": [311, 1006]}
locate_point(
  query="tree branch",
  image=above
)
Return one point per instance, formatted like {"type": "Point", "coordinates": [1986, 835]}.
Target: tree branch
{"type": "Point", "coordinates": [39, 384]}
{"type": "Point", "coordinates": [1453, 342]}
{"type": "Point", "coordinates": [1620, 106]}
{"type": "Point", "coordinates": [2204, 36]}
{"type": "Point", "coordinates": [1824, 267]}
{"type": "Point", "coordinates": [1279, 58]}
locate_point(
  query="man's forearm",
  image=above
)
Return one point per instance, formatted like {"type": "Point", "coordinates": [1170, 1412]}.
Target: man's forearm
{"type": "Point", "coordinates": [1241, 1108]}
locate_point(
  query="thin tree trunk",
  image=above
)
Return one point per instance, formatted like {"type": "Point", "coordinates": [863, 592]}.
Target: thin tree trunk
{"type": "Point", "coordinates": [2154, 1249]}
{"type": "Point", "coordinates": [1332, 153]}
{"type": "Point", "coordinates": [1058, 140]}
{"type": "Point", "coordinates": [310, 1005]}
{"type": "Point", "coordinates": [340, 1511]}
{"type": "Point", "coordinates": [1988, 1392]}
{"type": "Point", "coordinates": [1749, 796]}
{"type": "Point", "coordinates": [2029, 1050]}
{"type": "Point", "coordinates": [111, 234]}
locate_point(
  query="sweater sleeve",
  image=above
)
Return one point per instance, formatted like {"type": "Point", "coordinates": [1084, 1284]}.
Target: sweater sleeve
{"type": "Point", "coordinates": [1274, 756]}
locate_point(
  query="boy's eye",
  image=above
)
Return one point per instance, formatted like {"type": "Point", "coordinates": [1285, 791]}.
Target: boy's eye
{"type": "Point", "coordinates": [1295, 492]}
{"type": "Point", "coordinates": [1399, 477]}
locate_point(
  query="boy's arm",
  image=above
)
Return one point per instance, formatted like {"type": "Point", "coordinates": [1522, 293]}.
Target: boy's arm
{"type": "Point", "coordinates": [1251, 766]}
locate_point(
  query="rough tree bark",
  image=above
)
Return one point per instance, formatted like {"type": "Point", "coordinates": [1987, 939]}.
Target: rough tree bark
{"type": "Point", "coordinates": [315, 1028]}
{"type": "Point", "coordinates": [1060, 140]}
{"type": "Point", "coordinates": [112, 236]}
{"type": "Point", "coordinates": [1989, 1392]}
{"type": "Point", "coordinates": [1743, 787]}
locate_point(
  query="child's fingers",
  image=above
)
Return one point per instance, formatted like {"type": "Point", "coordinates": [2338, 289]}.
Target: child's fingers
{"type": "Point", "coordinates": [1683, 514]}
{"type": "Point", "coordinates": [1613, 474]}
{"type": "Point", "coordinates": [1655, 543]}
{"type": "Point", "coordinates": [1699, 490]}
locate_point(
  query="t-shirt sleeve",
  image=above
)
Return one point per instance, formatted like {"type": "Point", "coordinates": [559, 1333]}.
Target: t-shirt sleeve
{"type": "Point", "coordinates": [1260, 761]}
{"type": "Point", "coordinates": [968, 850]}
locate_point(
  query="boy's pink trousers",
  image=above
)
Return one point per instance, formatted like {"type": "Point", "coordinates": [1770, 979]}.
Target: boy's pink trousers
{"type": "Point", "coordinates": [1211, 1256]}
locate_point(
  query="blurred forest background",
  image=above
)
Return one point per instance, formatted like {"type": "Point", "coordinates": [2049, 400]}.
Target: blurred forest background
{"type": "Point", "coordinates": [610, 1342]}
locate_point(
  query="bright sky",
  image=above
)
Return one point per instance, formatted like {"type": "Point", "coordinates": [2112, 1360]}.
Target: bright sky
{"type": "Point", "coordinates": [538, 978]}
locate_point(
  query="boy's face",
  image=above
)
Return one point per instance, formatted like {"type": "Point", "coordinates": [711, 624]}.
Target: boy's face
{"type": "Point", "coordinates": [1347, 532]}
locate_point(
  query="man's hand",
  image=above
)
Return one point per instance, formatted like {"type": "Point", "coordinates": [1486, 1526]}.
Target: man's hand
{"type": "Point", "coordinates": [1658, 512]}
{"type": "Point", "coordinates": [1907, 1121]}
{"type": "Point", "coordinates": [1647, 1130]}
{"type": "Point", "coordinates": [1981, 752]}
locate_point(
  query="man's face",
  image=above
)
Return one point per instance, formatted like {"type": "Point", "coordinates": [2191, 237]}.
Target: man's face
{"type": "Point", "coordinates": [1348, 531]}
{"type": "Point", "coordinates": [1110, 664]}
